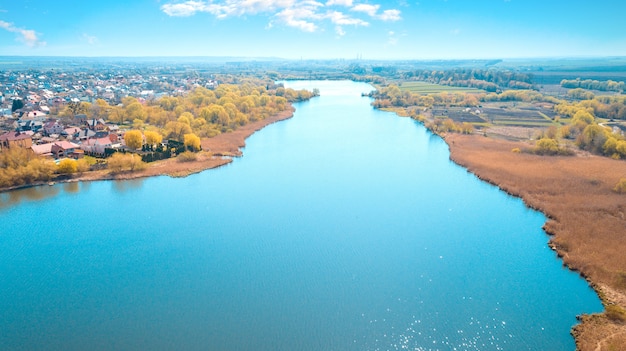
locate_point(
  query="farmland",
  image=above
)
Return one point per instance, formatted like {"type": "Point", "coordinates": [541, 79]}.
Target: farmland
{"type": "Point", "coordinates": [429, 88]}
{"type": "Point", "coordinates": [516, 114]}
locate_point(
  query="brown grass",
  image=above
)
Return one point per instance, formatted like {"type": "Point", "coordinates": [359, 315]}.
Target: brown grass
{"type": "Point", "coordinates": [586, 217]}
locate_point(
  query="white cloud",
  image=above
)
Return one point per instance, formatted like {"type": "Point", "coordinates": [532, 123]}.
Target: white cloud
{"type": "Point", "coordinates": [342, 19]}
{"type": "Point", "coordinates": [28, 36]}
{"type": "Point", "coordinates": [390, 15]}
{"type": "Point", "coordinates": [306, 15]}
{"type": "Point", "coordinates": [346, 3]}
{"type": "Point", "coordinates": [90, 39]}
{"type": "Point", "coordinates": [372, 11]}
{"type": "Point", "coordinates": [185, 9]}
{"type": "Point", "coordinates": [367, 8]}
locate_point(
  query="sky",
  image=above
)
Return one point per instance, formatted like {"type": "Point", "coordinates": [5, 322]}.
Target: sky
{"type": "Point", "coordinates": [315, 29]}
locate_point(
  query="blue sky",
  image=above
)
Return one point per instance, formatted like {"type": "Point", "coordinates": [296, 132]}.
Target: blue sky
{"type": "Point", "coordinates": [314, 29]}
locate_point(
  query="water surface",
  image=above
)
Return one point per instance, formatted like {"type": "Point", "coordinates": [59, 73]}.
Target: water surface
{"type": "Point", "coordinates": [343, 228]}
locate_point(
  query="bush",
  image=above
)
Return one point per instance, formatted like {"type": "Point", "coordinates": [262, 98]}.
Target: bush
{"type": "Point", "coordinates": [20, 167]}
{"type": "Point", "coordinates": [616, 313]}
{"type": "Point", "coordinates": [546, 146]}
{"type": "Point", "coordinates": [620, 187]}
{"type": "Point", "coordinates": [187, 156]}
{"type": "Point", "coordinates": [67, 166]}
{"type": "Point", "coordinates": [82, 165]}
{"type": "Point", "coordinates": [125, 162]}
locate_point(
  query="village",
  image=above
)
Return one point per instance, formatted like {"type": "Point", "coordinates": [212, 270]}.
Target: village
{"type": "Point", "coordinates": [32, 104]}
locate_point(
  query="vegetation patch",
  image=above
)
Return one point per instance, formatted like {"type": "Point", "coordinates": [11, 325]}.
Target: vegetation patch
{"type": "Point", "coordinates": [187, 156]}
{"type": "Point", "coordinates": [431, 88]}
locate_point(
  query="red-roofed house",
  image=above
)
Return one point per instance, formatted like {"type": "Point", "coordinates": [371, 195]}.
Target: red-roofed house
{"type": "Point", "coordinates": [15, 139]}
{"type": "Point", "coordinates": [59, 149]}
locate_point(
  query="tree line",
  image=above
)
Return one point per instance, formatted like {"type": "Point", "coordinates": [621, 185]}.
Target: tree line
{"type": "Point", "coordinates": [608, 85]}
{"type": "Point", "coordinates": [184, 118]}
{"type": "Point", "coordinates": [490, 80]}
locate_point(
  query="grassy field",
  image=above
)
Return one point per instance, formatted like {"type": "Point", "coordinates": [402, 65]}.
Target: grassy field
{"type": "Point", "coordinates": [429, 88]}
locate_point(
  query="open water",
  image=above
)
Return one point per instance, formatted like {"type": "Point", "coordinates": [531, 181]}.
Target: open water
{"type": "Point", "coordinates": [343, 228]}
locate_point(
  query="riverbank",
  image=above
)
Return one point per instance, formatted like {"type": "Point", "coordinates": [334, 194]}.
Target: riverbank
{"type": "Point", "coordinates": [586, 219]}
{"type": "Point", "coordinates": [217, 151]}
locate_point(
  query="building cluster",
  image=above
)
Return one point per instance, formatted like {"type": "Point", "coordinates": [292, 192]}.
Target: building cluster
{"type": "Point", "coordinates": [30, 101]}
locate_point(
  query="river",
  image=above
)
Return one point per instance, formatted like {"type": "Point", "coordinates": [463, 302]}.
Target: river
{"type": "Point", "coordinates": [343, 228]}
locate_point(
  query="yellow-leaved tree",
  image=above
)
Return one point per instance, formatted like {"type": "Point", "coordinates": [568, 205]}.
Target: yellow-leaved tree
{"type": "Point", "coordinates": [133, 139]}
{"type": "Point", "coordinates": [192, 142]}
{"type": "Point", "coordinates": [153, 138]}
{"type": "Point", "coordinates": [67, 166]}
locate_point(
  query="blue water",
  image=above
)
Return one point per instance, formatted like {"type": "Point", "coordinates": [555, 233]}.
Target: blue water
{"type": "Point", "coordinates": [343, 228]}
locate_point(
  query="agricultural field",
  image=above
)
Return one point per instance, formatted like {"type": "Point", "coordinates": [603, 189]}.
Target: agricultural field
{"type": "Point", "coordinates": [458, 115]}
{"type": "Point", "coordinates": [518, 114]}
{"type": "Point", "coordinates": [429, 88]}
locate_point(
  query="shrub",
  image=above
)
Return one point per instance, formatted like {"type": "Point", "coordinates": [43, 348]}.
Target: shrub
{"type": "Point", "coordinates": [546, 146]}
{"type": "Point", "coordinates": [125, 162]}
{"type": "Point", "coordinates": [616, 313]}
{"type": "Point", "coordinates": [187, 156]}
{"type": "Point", "coordinates": [67, 166]}
{"type": "Point", "coordinates": [82, 165]}
{"type": "Point", "coordinates": [620, 187]}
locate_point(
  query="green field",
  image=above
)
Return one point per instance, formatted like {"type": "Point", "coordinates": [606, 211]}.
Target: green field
{"type": "Point", "coordinates": [429, 88]}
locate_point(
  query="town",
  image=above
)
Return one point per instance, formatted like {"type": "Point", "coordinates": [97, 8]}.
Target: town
{"type": "Point", "coordinates": [37, 107]}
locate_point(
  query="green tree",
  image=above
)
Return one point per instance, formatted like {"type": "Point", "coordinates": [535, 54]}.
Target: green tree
{"type": "Point", "coordinates": [17, 104]}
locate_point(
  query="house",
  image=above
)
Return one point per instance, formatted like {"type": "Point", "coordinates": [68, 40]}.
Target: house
{"type": "Point", "coordinates": [15, 139]}
{"type": "Point", "coordinates": [53, 127]}
{"type": "Point", "coordinates": [64, 148]}
{"type": "Point", "coordinates": [29, 124]}
{"type": "Point", "coordinates": [96, 124]}
{"type": "Point", "coordinates": [97, 146]}
{"type": "Point", "coordinates": [84, 134]}
{"type": "Point", "coordinates": [72, 132]}
{"type": "Point", "coordinates": [80, 119]}
{"type": "Point", "coordinates": [59, 149]}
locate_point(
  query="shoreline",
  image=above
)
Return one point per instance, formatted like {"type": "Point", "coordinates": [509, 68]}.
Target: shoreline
{"type": "Point", "coordinates": [217, 151]}
{"type": "Point", "coordinates": [586, 220]}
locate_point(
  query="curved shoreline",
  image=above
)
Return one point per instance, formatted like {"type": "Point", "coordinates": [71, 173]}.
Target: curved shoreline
{"type": "Point", "coordinates": [585, 219]}
{"type": "Point", "coordinates": [218, 151]}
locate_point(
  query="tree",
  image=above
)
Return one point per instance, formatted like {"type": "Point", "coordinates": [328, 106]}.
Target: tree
{"type": "Point", "coordinates": [546, 146]}
{"type": "Point", "coordinates": [67, 166]}
{"type": "Point", "coordinates": [177, 130]}
{"type": "Point", "coordinates": [119, 162]}
{"type": "Point", "coordinates": [133, 139]}
{"type": "Point", "coordinates": [153, 138]}
{"type": "Point", "coordinates": [17, 104]}
{"type": "Point", "coordinates": [583, 116]}
{"type": "Point", "coordinates": [135, 111]}
{"type": "Point", "coordinates": [593, 138]}
{"type": "Point", "coordinates": [192, 142]}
